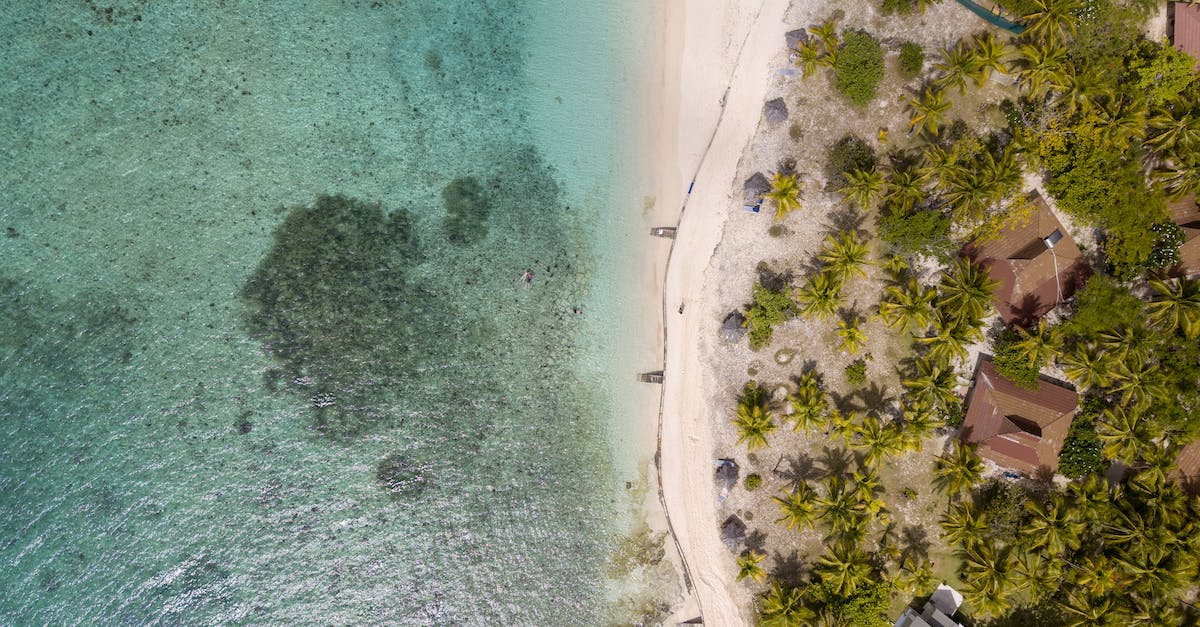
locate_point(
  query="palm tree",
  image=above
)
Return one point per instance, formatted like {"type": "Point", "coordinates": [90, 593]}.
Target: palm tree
{"type": "Point", "coordinates": [1051, 20]}
{"type": "Point", "coordinates": [785, 191]}
{"type": "Point", "coordinates": [1054, 526]}
{"type": "Point", "coordinates": [934, 384]}
{"type": "Point", "coordinates": [909, 307]}
{"type": "Point", "coordinates": [919, 421]}
{"type": "Point", "coordinates": [1125, 342]}
{"type": "Point", "coordinates": [957, 470]}
{"type": "Point", "coordinates": [863, 186]}
{"type": "Point", "coordinates": [950, 339]}
{"type": "Point", "coordinates": [1140, 383]}
{"type": "Point", "coordinates": [966, 291]}
{"type": "Point", "coordinates": [988, 569]}
{"type": "Point", "coordinates": [845, 567]}
{"type": "Point", "coordinates": [845, 255]}
{"type": "Point", "coordinates": [827, 33]}
{"type": "Point", "coordinates": [808, 56]}
{"type": "Point", "coordinates": [988, 56]}
{"type": "Point", "coordinates": [808, 403]}
{"type": "Point", "coordinates": [821, 294]}
{"type": "Point", "coordinates": [748, 566]}
{"type": "Point", "coordinates": [1087, 366]}
{"type": "Point", "coordinates": [906, 188]}
{"type": "Point", "coordinates": [853, 338]}
{"type": "Point", "coordinates": [1125, 432]}
{"type": "Point", "coordinates": [842, 510]}
{"type": "Point", "coordinates": [1035, 575]}
{"type": "Point", "coordinates": [928, 111]}
{"type": "Point", "coordinates": [963, 525]}
{"type": "Point", "coordinates": [1120, 119]}
{"type": "Point", "coordinates": [1180, 181]}
{"type": "Point", "coordinates": [1086, 609]}
{"type": "Point", "coordinates": [1041, 67]}
{"type": "Point", "coordinates": [878, 441]}
{"type": "Point", "coordinates": [783, 607]}
{"type": "Point", "coordinates": [1175, 129]}
{"type": "Point", "coordinates": [957, 67]}
{"type": "Point", "coordinates": [1003, 173]}
{"type": "Point", "coordinates": [753, 421]}
{"type": "Point", "coordinates": [915, 579]}
{"type": "Point", "coordinates": [1038, 347]}
{"type": "Point", "coordinates": [799, 507]}
{"type": "Point", "coordinates": [968, 191]}
{"type": "Point", "coordinates": [1178, 306]}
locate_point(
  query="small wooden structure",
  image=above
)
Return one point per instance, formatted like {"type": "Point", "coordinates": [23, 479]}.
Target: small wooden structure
{"type": "Point", "coordinates": [663, 231]}
{"type": "Point", "coordinates": [651, 377]}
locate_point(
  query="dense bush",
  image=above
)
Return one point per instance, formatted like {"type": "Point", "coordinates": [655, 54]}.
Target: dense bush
{"type": "Point", "coordinates": [1080, 455]}
{"type": "Point", "coordinates": [918, 232]}
{"type": "Point", "coordinates": [848, 153]}
{"type": "Point", "coordinates": [1011, 364]}
{"type": "Point", "coordinates": [1166, 249]}
{"type": "Point", "coordinates": [912, 59]}
{"type": "Point", "coordinates": [770, 308]}
{"type": "Point", "coordinates": [901, 7]}
{"type": "Point", "coordinates": [858, 67]}
{"type": "Point", "coordinates": [856, 372]}
{"type": "Point", "coordinates": [753, 481]}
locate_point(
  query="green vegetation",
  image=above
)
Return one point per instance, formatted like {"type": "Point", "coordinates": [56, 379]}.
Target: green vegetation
{"type": "Point", "coordinates": [1080, 455]}
{"type": "Point", "coordinates": [785, 193]}
{"type": "Point", "coordinates": [916, 232]}
{"type": "Point", "coordinates": [848, 154]}
{"type": "Point", "coordinates": [770, 308]}
{"type": "Point", "coordinates": [752, 481]}
{"type": "Point", "coordinates": [856, 372]}
{"type": "Point", "coordinates": [1012, 363]}
{"type": "Point", "coordinates": [912, 60]}
{"type": "Point", "coordinates": [753, 419]}
{"type": "Point", "coordinates": [748, 566]}
{"type": "Point", "coordinates": [858, 68]}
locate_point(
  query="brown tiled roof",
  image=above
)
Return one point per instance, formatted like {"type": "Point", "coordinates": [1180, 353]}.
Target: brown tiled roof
{"type": "Point", "coordinates": [1019, 260]}
{"type": "Point", "coordinates": [1186, 35]}
{"type": "Point", "coordinates": [1015, 427]}
{"type": "Point", "coordinates": [1186, 213]}
{"type": "Point", "coordinates": [1187, 469]}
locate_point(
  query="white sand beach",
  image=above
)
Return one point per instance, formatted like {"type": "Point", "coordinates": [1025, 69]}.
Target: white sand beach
{"type": "Point", "coordinates": [718, 64]}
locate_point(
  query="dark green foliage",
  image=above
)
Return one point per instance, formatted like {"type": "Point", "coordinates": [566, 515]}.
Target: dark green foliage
{"type": "Point", "coordinates": [1166, 249]}
{"type": "Point", "coordinates": [858, 67]}
{"type": "Point", "coordinates": [400, 477]}
{"type": "Point", "coordinates": [912, 59]}
{"type": "Point", "coordinates": [324, 303]}
{"type": "Point", "coordinates": [1012, 365]}
{"type": "Point", "coordinates": [848, 153]}
{"type": "Point", "coordinates": [1080, 455]}
{"type": "Point", "coordinates": [867, 607]}
{"type": "Point", "coordinates": [466, 211]}
{"type": "Point", "coordinates": [954, 415]}
{"type": "Point", "coordinates": [770, 308]}
{"type": "Point", "coordinates": [1003, 502]}
{"type": "Point", "coordinates": [917, 232]}
{"type": "Point", "coordinates": [856, 372]}
{"type": "Point", "coordinates": [1018, 7]}
{"type": "Point", "coordinates": [753, 481]}
{"type": "Point", "coordinates": [1103, 304]}
{"type": "Point", "coordinates": [901, 7]}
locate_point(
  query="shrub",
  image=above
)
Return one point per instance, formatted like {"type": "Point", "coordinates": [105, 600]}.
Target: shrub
{"type": "Point", "coordinates": [1003, 502]}
{"type": "Point", "coordinates": [902, 7]}
{"type": "Point", "coordinates": [954, 415]}
{"type": "Point", "coordinates": [770, 308]}
{"type": "Point", "coordinates": [753, 481]}
{"type": "Point", "coordinates": [856, 372]}
{"type": "Point", "coordinates": [909, 493]}
{"type": "Point", "coordinates": [1080, 455]}
{"type": "Point", "coordinates": [920, 232]}
{"type": "Point", "coordinates": [859, 67]}
{"type": "Point", "coordinates": [848, 153]}
{"type": "Point", "coordinates": [1010, 364]}
{"type": "Point", "coordinates": [912, 59]}
{"type": "Point", "coordinates": [1166, 249]}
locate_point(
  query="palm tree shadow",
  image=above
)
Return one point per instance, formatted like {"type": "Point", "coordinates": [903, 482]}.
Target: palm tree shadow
{"type": "Point", "coordinates": [800, 469]}
{"type": "Point", "coordinates": [875, 398]}
{"type": "Point", "coordinates": [914, 543]}
{"type": "Point", "coordinates": [789, 570]}
{"type": "Point", "coordinates": [845, 403]}
{"type": "Point", "coordinates": [756, 541]}
{"type": "Point", "coordinates": [846, 218]}
{"type": "Point", "coordinates": [772, 280]}
{"type": "Point", "coordinates": [835, 461]}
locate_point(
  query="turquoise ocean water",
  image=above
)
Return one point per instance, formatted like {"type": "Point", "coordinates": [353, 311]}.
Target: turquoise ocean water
{"type": "Point", "coordinates": [265, 351]}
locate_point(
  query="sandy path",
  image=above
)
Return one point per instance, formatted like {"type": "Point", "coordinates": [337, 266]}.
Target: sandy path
{"type": "Point", "coordinates": [725, 59]}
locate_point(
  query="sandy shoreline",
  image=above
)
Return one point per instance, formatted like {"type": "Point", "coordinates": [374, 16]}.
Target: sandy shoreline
{"type": "Point", "coordinates": [716, 72]}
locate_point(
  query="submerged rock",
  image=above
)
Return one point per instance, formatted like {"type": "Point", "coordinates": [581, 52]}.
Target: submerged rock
{"type": "Point", "coordinates": [399, 476]}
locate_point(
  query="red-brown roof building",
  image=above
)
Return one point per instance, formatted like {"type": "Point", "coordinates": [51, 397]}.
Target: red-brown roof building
{"type": "Point", "coordinates": [1186, 213]}
{"type": "Point", "coordinates": [1187, 468]}
{"type": "Point", "coordinates": [1185, 33]}
{"type": "Point", "coordinates": [1035, 263]}
{"type": "Point", "coordinates": [1016, 427]}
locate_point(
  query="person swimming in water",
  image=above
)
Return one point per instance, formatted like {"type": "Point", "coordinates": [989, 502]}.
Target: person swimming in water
{"type": "Point", "coordinates": [527, 277]}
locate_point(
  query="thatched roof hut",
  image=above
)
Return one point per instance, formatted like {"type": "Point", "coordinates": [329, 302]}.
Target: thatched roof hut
{"type": "Point", "coordinates": [755, 187]}
{"type": "Point", "coordinates": [775, 111]}
{"type": "Point", "coordinates": [732, 328]}
{"type": "Point", "coordinates": [726, 475]}
{"type": "Point", "coordinates": [794, 37]}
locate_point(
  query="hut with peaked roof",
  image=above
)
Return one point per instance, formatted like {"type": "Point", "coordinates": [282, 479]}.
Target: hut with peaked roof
{"type": "Point", "coordinates": [1015, 427]}
{"type": "Point", "coordinates": [755, 188]}
{"type": "Point", "coordinates": [1034, 261]}
{"type": "Point", "coordinates": [733, 532]}
{"type": "Point", "coordinates": [1186, 213]}
{"type": "Point", "coordinates": [775, 111]}
{"type": "Point", "coordinates": [1184, 27]}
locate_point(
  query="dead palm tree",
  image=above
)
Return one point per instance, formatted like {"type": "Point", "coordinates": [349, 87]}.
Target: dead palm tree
{"type": "Point", "coordinates": [957, 470]}
{"type": "Point", "coordinates": [864, 187]}
{"type": "Point", "coordinates": [845, 255]}
{"type": "Point", "coordinates": [1177, 307]}
{"type": "Point", "coordinates": [821, 294]}
{"type": "Point", "coordinates": [927, 111]}
{"type": "Point", "coordinates": [785, 191]}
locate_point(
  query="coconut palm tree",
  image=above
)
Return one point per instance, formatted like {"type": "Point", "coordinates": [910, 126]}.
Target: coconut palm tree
{"type": "Point", "coordinates": [1181, 180]}
{"type": "Point", "coordinates": [1126, 342]}
{"type": "Point", "coordinates": [799, 507]}
{"type": "Point", "coordinates": [919, 421]}
{"type": "Point", "coordinates": [783, 607]}
{"type": "Point", "coordinates": [853, 338]}
{"type": "Point", "coordinates": [748, 566]}
{"type": "Point", "coordinates": [906, 187]}
{"type": "Point", "coordinates": [1003, 174]}
{"type": "Point", "coordinates": [808, 403]}
{"type": "Point", "coordinates": [808, 57]}
{"type": "Point", "coordinates": [863, 186]}
{"type": "Point", "coordinates": [928, 111]}
{"type": "Point", "coordinates": [752, 420]}
{"type": "Point", "coordinates": [957, 470]}
{"type": "Point", "coordinates": [963, 525]}
{"type": "Point", "coordinates": [878, 441]}
{"type": "Point", "coordinates": [1054, 526]}
{"type": "Point", "coordinates": [845, 567]}
{"type": "Point", "coordinates": [1039, 346]}
{"type": "Point", "coordinates": [1139, 383]}
{"type": "Point", "coordinates": [968, 191]}
{"type": "Point", "coordinates": [1175, 128]}
{"type": "Point", "coordinates": [1125, 432]}
{"type": "Point", "coordinates": [957, 67]}
{"type": "Point", "coordinates": [1036, 575]}
{"type": "Point", "coordinates": [845, 255]}
{"type": "Point", "coordinates": [1042, 68]}
{"type": "Point", "coordinates": [841, 509]}
{"type": "Point", "coordinates": [821, 294]}
{"type": "Point", "coordinates": [1051, 21]}
{"type": "Point", "coordinates": [785, 191]}
{"type": "Point", "coordinates": [989, 571]}
{"type": "Point", "coordinates": [1121, 120]}
{"type": "Point", "coordinates": [1087, 366]}
{"type": "Point", "coordinates": [826, 32]}
{"type": "Point", "coordinates": [842, 425]}
{"type": "Point", "coordinates": [937, 164]}
{"type": "Point", "coordinates": [1086, 610]}
{"type": "Point", "coordinates": [950, 339]}
{"type": "Point", "coordinates": [933, 384]}
{"type": "Point", "coordinates": [965, 291]}
{"type": "Point", "coordinates": [915, 578]}
{"type": "Point", "coordinates": [908, 307]}
{"type": "Point", "coordinates": [988, 56]}
{"type": "Point", "coordinates": [1177, 306]}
